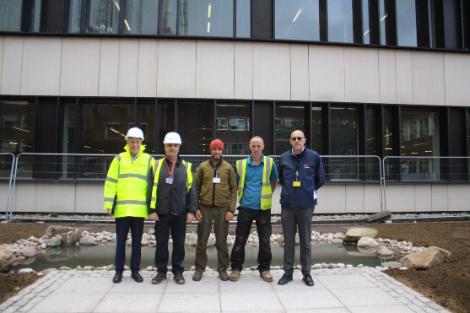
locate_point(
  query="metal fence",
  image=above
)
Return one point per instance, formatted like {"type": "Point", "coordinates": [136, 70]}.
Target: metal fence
{"type": "Point", "coordinates": [370, 169]}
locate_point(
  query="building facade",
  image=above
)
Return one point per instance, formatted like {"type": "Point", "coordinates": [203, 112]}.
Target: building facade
{"type": "Point", "coordinates": [360, 77]}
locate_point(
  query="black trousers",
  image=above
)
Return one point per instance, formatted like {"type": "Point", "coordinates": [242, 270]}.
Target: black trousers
{"type": "Point", "coordinates": [176, 226]}
{"type": "Point", "coordinates": [263, 227]}
{"type": "Point", "coordinates": [136, 224]}
{"type": "Point", "coordinates": [291, 220]}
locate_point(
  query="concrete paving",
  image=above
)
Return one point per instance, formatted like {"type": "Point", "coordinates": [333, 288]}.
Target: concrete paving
{"type": "Point", "coordinates": [355, 290]}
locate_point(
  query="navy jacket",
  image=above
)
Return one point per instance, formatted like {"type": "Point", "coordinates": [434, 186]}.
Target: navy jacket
{"type": "Point", "coordinates": [310, 173]}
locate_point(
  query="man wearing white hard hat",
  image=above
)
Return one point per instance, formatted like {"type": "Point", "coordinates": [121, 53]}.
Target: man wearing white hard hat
{"type": "Point", "coordinates": [127, 196]}
{"type": "Point", "coordinates": [173, 204]}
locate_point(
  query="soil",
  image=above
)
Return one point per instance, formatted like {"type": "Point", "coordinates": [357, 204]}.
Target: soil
{"type": "Point", "coordinates": [12, 283]}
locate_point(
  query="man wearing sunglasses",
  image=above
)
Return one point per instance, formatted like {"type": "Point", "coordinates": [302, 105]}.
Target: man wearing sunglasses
{"type": "Point", "coordinates": [301, 175]}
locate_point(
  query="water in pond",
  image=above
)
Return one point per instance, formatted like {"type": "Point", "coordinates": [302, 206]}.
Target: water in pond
{"type": "Point", "coordinates": [102, 255]}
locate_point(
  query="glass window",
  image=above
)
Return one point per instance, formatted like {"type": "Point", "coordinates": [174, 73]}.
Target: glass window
{"type": "Point", "coordinates": [388, 132]}
{"type": "Point", "coordinates": [287, 118]}
{"type": "Point", "coordinates": [141, 17]}
{"type": "Point", "coordinates": [168, 17]}
{"type": "Point", "coordinates": [35, 15]}
{"type": "Point", "coordinates": [371, 131]}
{"type": "Point", "coordinates": [343, 141]}
{"type": "Point", "coordinates": [468, 141]}
{"type": "Point", "coordinates": [340, 21]}
{"type": "Point", "coordinates": [243, 18]}
{"type": "Point", "coordinates": [316, 140]}
{"type": "Point", "coordinates": [406, 23]}
{"type": "Point", "coordinates": [10, 16]}
{"type": "Point", "coordinates": [419, 137]}
{"type": "Point", "coordinates": [383, 15]}
{"type": "Point", "coordinates": [74, 16]}
{"type": "Point", "coordinates": [165, 120]}
{"type": "Point", "coordinates": [297, 19]}
{"type": "Point", "coordinates": [196, 126]}
{"type": "Point", "coordinates": [103, 16]}
{"type": "Point", "coordinates": [104, 125]}
{"type": "Point", "coordinates": [146, 122]}
{"type": "Point", "coordinates": [365, 22]}
{"type": "Point", "coordinates": [205, 18]}
{"type": "Point", "coordinates": [234, 127]}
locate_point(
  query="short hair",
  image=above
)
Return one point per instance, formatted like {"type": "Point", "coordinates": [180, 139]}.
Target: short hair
{"type": "Point", "coordinates": [298, 130]}
{"type": "Point", "coordinates": [257, 138]}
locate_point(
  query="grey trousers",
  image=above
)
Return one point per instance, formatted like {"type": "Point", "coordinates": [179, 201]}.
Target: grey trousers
{"type": "Point", "coordinates": [291, 220]}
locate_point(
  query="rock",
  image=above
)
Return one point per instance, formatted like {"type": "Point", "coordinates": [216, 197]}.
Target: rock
{"type": "Point", "coordinates": [6, 259]}
{"type": "Point", "coordinates": [392, 264]}
{"type": "Point", "coordinates": [368, 243]}
{"type": "Point", "coordinates": [64, 268]}
{"type": "Point", "coordinates": [426, 258]}
{"type": "Point", "coordinates": [26, 270]}
{"type": "Point", "coordinates": [54, 241]}
{"type": "Point", "coordinates": [337, 241]}
{"type": "Point", "coordinates": [88, 268]}
{"type": "Point", "coordinates": [385, 252]}
{"type": "Point", "coordinates": [353, 234]}
{"type": "Point", "coordinates": [69, 235]}
{"type": "Point", "coordinates": [88, 240]}
{"type": "Point", "coordinates": [28, 251]}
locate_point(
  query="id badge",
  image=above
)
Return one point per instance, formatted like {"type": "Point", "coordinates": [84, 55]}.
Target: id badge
{"type": "Point", "coordinates": [169, 180]}
{"type": "Point", "coordinates": [296, 183]}
{"type": "Point", "coordinates": [216, 180]}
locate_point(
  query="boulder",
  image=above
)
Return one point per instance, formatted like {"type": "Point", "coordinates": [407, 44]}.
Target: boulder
{"type": "Point", "coordinates": [88, 240]}
{"type": "Point", "coordinates": [69, 235]}
{"type": "Point", "coordinates": [385, 252]}
{"type": "Point", "coordinates": [368, 243]}
{"type": "Point", "coordinates": [426, 258]}
{"type": "Point", "coordinates": [353, 234]}
{"type": "Point", "coordinates": [28, 251]}
{"type": "Point", "coordinates": [6, 259]}
{"type": "Point", "coordinates": [54, 241]}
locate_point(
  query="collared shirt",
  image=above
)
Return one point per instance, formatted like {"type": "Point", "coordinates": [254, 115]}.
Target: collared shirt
{"type": "Point", "coordinates": [254, 183]}
{"type": "Point", "coordinates": [292, 150]}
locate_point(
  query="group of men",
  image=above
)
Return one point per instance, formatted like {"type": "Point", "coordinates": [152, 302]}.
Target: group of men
{"type": "Point", "coordinates": [138, 187]}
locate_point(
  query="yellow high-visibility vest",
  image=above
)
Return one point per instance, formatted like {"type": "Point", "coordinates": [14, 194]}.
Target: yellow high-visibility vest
{"type": "Point", "coordinates": [189, 180]}
{"type": "Point", "coordinates": [266, 189]}
{"type": "Point", "coordinates": [127, 184]}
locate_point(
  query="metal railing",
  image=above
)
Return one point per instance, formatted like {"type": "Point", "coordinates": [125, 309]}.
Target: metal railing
{"type": "Point", "coordinates": [371, 169]}
{"type": "Point", "coordinates": [7, 165]}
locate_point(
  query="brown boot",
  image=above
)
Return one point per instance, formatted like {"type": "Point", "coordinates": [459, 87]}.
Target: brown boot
{"type": "Point", "coordinates": [234, 275]}
{"type": "Point", "coordinates": [266, 276]}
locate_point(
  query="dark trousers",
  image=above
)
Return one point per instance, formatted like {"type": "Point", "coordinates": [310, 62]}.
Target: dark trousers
{"type": "Point", "coordinates": [263, 227]}
{"type": "Point", "coordinates": [176, 226]}
{"type": "Point", "coordinates": [291, 219]}
{"type": "Point", "coordinates": [136, 224]}
{"type": "Point", "coordinates": [211, 216]}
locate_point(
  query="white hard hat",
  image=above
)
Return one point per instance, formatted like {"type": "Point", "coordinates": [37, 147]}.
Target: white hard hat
{"type": "Point", "coordinates": [135, 132]}
{"type": "Point", "coordinates": [172, 137]}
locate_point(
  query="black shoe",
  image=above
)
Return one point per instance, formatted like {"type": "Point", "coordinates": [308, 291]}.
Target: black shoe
{"type": "Point", "coordinates": [136, 276]}
{"type": "Point", "coordinates": [286, 278]}
{"type": "Point", "coordinates": [158, 278]}
{"type": "Point", "coordinates": [223, 276]}
{"type": "Point", "coordinates": [197, 275]}
{"type": "Point", "coordinates": [178, 278]}
{"type": "Point", "coordinates": [308, 280]}
{"type": "Point", "coordinates": [117, 277]}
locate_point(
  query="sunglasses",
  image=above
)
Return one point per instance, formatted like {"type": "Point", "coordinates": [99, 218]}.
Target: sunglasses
{"type": "Point", "coordinates": [296, 138]}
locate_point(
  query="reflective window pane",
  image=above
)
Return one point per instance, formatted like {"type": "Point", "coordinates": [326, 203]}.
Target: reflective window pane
{"type": "Point", "coordinates": [103, 16]}
{"type": "Point", "coordinates": [419, 137]}
{"type": "Point", "coordinates": [165, 120]}
{"type": "Point", "coordinates": [205, 18]}
{"type": "Point", "coordinates": [287, 119]}
{"type": "Point", "coordinates": [167, 17]}
{"type": "Point", "coordinates": [243, 18]}
{"type": "Point", "coordinates": [196, 126]}
{"type": "Point", "coordinates": [146, 122]}
{"type": "Point", "coordinates": [297, 19]}
{"type": "Point", "coordinates": [365, 22]}
{"type": "Point", "coordinates": [371, 131]}
{"type": "Point", "coordinates": [233, 126]}
{"type": "Point", "coordinates": [74, 16]}
{"type": "Point", "coordinates": [316, 140]}
{"type": "Point", "coordinates": [406, 23]}
{"type": "Point", "coordinates": [10, 16]}
{"type": "Point", "coordinates": [388, 132]}
{"type": "Point", "coordinates": [340, 21]}
{"type": "Point", "coordinates": [383, 16]}
{"type": "Point", "coordinates": [141, 17]}
{"type": "Point", "coordinates": [468, 141]}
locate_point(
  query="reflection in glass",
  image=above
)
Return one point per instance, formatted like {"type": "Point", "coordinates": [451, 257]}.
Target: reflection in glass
{"type": "Point", "coordinates": [297, 19]}
{"type": "Point", "coordinates": [74, 16]}
{"type": "Point", "coordinates": [141, 17]}
{"type": "Point", "coordinates": [10, 16]}
{"type": "Point", "coordinates": [406, 23]}
{"type": "Point", "coordinates": [365, 22]}
{"type": "Point", "coordinates": [196, 126]}
{"type": "Point", "coordinates": [168, 17]}
{"type": "Point", "coordinates": [287, 119]}
{"type": "Point", "coordinates": [340, 21]}
{"type": "Point", "coordinates": [243, 18]}
{"type": "Point", "coordinates": [233, 127]}
{"type": "Point", "coordinates": [205, 18]}
{"type": "Point", "coordinates": [388, 131]}
{"type": "Point", "coordinates": [383, 16]}
{"type": "Point", "coordinates": [103, 16]}
{"type": "Point", "coordinates": [316, 139]}
{"type": "Point", "coordinates": [419, 131]}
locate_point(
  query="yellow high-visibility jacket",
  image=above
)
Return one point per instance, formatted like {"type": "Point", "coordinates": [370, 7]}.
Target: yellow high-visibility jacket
{"type": "Point", "coordinates": [126, 189]}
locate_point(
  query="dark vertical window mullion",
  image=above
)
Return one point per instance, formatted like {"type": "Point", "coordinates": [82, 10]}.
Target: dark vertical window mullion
{"type": "Point", "coordinates": [380, 132]}
{"type": "Point", "coordinates": [396, 131]}
{"type": "Point", "coordinates": [214, 131]}
{"type": "Point", "coordinates": [422, 23]}
{"type": "Point", "coordinates": [157, 123]}
{"type": "Point", "coordinates": [234, 13]}
{"type": "Point", "coordinates": [84, 15]}
{"type": "Point", "coordinates": [176, 115]}
{"type": "Point", "coordinates": [122, 14]}
{"type": "Point", "coordinates": [273, 132]}
{"type": "Point", "coordinates": [66, 16]}
{"type": "Point", "coordinates": [177, 18]}
{"type": "Point", "coordinates": [252, 118]}
{"type": "Point", "coordinates": [444, 138]}
{"type": "Point", "coordinates": [391, 23]}
{"type": "Point", "coordinates": [374, 24]}
{"type": "Point", "coordinates": [362, 140]}
{"type": "Point", "coordinates": [323, 20]}
{"type": "Point", "coordinates": [310, 131]}
{"type": "Point", "coordinates": [357, 21]}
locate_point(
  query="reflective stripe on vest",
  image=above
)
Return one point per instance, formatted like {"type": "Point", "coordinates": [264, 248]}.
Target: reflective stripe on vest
{"type": "Point", "coordinates": [189, 179]}
{"type": "Point", "coordinates": [266, 189]}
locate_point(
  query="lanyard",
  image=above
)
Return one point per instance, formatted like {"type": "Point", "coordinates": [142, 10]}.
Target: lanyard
{"type": "Point", "coordinates": [168, 170]}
